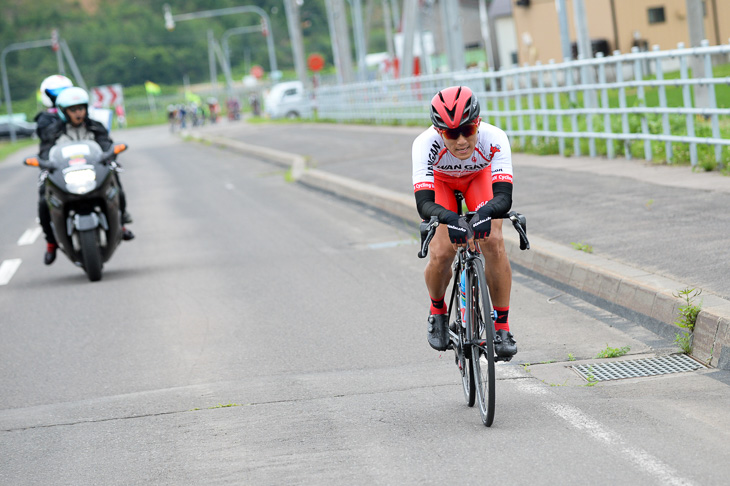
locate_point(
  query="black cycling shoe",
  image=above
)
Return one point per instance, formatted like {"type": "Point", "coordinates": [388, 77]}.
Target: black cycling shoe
{"type": "Point", "coordinates": [505, 345]}
{"type": "Point", "coordinates": [126, 218]}
{"type": "Point", "coordinates": [126, 234]}
{"type": "Point", "coordinates": [438, 331]}
{"type": "Point", "coordinates": [50, 255]}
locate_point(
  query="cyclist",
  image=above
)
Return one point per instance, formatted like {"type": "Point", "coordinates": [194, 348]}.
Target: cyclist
{"type": "Point", "coordinates": [73, 106]}
{"type": "Point", "coordinates": [460, 152]}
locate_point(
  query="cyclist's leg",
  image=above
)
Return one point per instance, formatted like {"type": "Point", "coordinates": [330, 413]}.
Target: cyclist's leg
{"type": "Point", "coordinates": [497, 268]}
{"type": "Point", "coordinates": [441, 252]}
{"type": "Point", "coordinates": [438, 274]}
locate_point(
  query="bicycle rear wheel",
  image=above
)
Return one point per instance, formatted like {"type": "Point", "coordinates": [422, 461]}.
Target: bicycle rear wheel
{"type": "Point", "coordinates": [482, 351]}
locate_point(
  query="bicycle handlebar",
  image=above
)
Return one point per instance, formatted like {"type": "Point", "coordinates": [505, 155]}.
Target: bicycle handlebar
{"type": "Point", "coordinates": [428, 230]}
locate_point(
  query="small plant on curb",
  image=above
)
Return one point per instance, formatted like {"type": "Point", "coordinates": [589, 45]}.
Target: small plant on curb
{"type": "Point", "coordinates": [687, 317]}
{"type": "Point", "coordinates": [583, 247]}
{"type": "Point", "coordinates": [571, 357]}
{"type": "Point", "coordinates": [613, 352]}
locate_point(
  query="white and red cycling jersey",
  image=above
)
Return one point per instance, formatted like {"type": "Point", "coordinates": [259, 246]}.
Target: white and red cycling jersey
{"type": "Point", "coordinates": [431, 158]}
{"type": "Point", "coordinates": [437, 169]}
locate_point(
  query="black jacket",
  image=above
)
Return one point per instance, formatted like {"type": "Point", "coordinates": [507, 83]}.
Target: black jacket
{"type": "Point", "coordinates": [50, 127]}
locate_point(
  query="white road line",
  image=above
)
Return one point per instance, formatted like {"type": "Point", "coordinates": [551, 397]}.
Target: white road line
{"type": "Point", "coordinates": [639, 457]}
{"type": "Point", "coordinates": [30, 236]}
{"type": "Point", "coordinates": [7, 270]}
{"type": "Point", "coordinates": [391, 244]}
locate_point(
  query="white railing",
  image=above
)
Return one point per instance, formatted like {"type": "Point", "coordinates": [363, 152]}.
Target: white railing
{"type": "Point", "coordinates": [615, 105]}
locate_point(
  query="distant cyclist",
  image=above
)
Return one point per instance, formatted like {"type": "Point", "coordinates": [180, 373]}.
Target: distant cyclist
{"type": "Point", "coordinates": [460, 152]}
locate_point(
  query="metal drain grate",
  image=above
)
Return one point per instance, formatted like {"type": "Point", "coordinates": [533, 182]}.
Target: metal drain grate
{"type": "Point", "coordinates": [635, 368]}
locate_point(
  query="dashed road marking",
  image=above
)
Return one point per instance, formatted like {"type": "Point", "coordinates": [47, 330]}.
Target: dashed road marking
{"type": "Point", "coordinates": [643, 460]}
{"type": "Point", "coordinates": [30, 236]}
{"type": "Point", "coordinates": [639, 457]}
{"type": "Point", "coordinates": [391, 244]}
{"type": "Point", "coordinates": [8, 269]}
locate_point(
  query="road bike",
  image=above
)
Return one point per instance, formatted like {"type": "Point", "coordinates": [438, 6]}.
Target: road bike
{"type": "Point", "coordinates": [471, 328]}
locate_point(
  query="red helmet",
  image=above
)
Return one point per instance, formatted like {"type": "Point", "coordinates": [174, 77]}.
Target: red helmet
{"type": "Point", "coordinates": [453, 107]}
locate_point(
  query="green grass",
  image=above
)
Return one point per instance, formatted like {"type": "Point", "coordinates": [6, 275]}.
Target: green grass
{"type": "Point", "coordinates": [635, 149]}
{"type": "Point", "coordinates": [687, 317]}
{"type": "Point", "coordinates": [610, 352]}
{"type": "Point", "coordinates": [8, 148]}
{"type": "Point", "coordinates": [582, 247]}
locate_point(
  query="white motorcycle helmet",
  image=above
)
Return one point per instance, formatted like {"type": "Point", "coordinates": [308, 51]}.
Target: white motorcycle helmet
{"type": "Point", "coordinates": [71, 97]}
{"type": "Point", "coordinates": [54, 84]}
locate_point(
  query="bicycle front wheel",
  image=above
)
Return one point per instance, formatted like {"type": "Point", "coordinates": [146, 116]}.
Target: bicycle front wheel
{"type": "Point", "coordinates": [461, 351]}
{"type": "Point", "coordinates": [482, 332]}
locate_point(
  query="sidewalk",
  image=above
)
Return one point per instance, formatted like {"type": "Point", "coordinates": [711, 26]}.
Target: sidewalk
{"type": "Point", "coordinates": [654, 229]}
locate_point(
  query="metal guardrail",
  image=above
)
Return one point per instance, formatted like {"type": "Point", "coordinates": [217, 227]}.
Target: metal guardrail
{"type": "Point", "coordinates": [586, 101]}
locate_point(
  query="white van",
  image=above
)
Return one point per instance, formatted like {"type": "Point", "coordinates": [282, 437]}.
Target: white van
{"type": "Point", "coordinates": [288, 100]}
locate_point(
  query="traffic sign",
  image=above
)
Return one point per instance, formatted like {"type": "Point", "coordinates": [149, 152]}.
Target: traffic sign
{"type": "Point", "coordinates": [257, 71]}
{"type": "Point", "coordinates": [315, 62]}
{"type": "Point", "coordinates": [107, 96]}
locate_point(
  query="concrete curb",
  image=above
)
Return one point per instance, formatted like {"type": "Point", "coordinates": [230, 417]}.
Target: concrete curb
{"type": "Point", "coordinates": [626, 289]}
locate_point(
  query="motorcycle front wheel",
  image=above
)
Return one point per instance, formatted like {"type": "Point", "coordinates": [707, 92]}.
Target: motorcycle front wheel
{"type": "Point", "coordinates": [90, 254]}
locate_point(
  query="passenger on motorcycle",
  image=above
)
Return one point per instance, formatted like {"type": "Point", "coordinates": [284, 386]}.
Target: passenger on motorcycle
{"type": "Point", "coordinates": [73, 104]}
{"type": "Point", "coordinates": [48, 123]}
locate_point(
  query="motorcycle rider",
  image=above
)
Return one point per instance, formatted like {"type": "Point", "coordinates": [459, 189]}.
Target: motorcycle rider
{"type": "Point", "coordinates": [73, 105]}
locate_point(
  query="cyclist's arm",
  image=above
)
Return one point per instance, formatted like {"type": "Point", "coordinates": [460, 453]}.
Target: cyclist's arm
{"type": "Point", "coordinates": [427, 207]}
{"type": "Point", "coordinates": [424, 153]}
{"type": "Point", "coordinates": [501, 168]}
{"type": "Point", "coordinates": [501, 201]}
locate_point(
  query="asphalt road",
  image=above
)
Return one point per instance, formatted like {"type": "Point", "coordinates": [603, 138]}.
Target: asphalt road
{"type": "Point", "coordinates": [260, 332]}
{"type": "Point", "coordinates": [650, 217]}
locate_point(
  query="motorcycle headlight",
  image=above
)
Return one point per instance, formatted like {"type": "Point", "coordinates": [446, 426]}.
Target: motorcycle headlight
{"type": "Point", "coordinates": [80, 181]}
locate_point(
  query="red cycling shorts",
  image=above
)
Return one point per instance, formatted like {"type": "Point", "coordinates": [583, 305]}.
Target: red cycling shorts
{"type": "Point", "coordinates": [476, 188]}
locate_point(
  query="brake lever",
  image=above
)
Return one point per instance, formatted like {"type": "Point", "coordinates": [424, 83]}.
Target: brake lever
{"type": "Point", "coordinates": [520, 223]}
{"type": "Point", "coordinates": [428, 230]}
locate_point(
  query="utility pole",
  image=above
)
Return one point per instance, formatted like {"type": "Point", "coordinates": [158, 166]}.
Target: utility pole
{"type": "Point", "coordinates": [453, 26]}
{"type": "Point", "coordinates": [564, 32]}
{"type": "Point", "coordinates": [585, 50]}
{"type": "Point", "coordinates": [696, 25]}
{"type": "Point", "coordinates": [295, 35]}
{"type": "Point", "coordinates": [357, 27]}
{"type": "Point", "coordinates": [583, 39]}
{"type": "Point", "coordinates": [333, 39]}
{"type": "Point", "coordinates": [484, 24]}
{"type": "Point", "coordinates": [388, 31]}
{"type": "Point", "coordinates": [410, 10]}
{"type": "Point", "coordinates": [211, 63]}
{"type": "Point", "coordinates": [343, 40]}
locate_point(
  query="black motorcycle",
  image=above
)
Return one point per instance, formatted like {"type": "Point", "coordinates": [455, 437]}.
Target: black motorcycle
{"type": "Point", "coordinates": [83, 196]}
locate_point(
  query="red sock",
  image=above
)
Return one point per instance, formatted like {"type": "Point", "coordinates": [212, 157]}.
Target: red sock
{"type": "Point", "coordinates": [50, 247]}
{"type": "Point", "coordinates": [502, 321]}
{"type": "Point", "coordinates": [438, 306]}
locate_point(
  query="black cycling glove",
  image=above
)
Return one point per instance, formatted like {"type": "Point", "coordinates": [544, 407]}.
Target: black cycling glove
{"type": "Point", "coordinates": [482, 223]}
{"type": "Point", "coordinates": [459, 231]}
